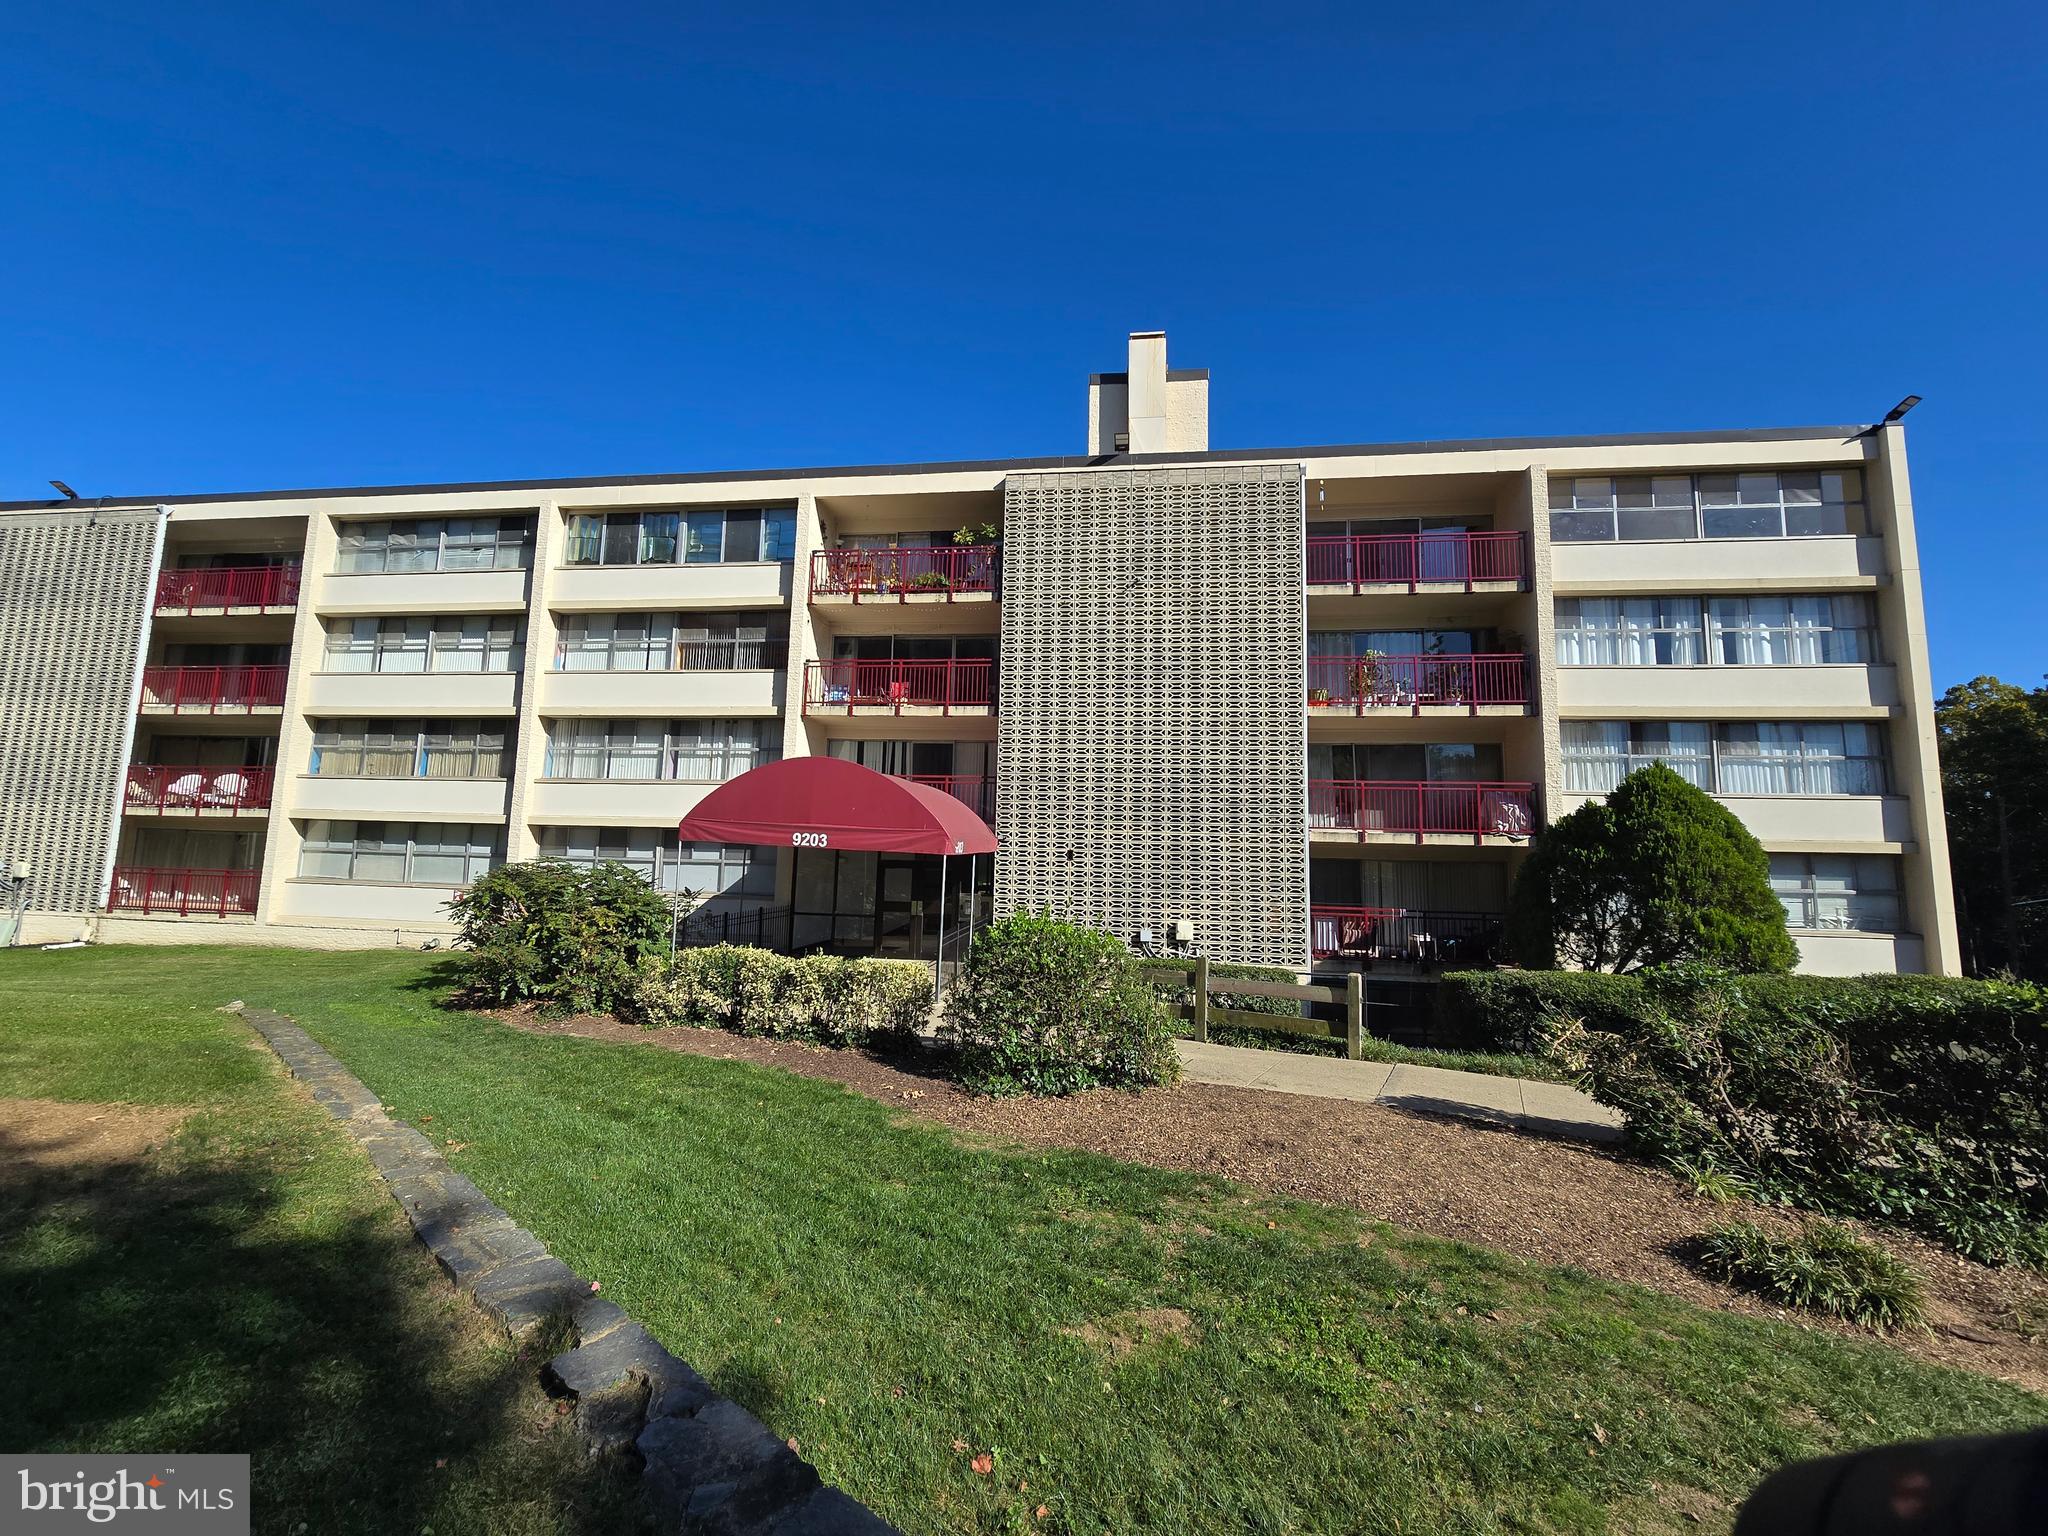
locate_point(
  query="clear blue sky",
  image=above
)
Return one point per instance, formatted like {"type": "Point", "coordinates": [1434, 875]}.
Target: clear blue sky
{"type": "Point", "coordinates": [250, 246]}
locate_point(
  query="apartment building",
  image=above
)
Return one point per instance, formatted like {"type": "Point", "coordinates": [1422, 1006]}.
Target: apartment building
{"type": "Point", "coordinates": [1309, 702]}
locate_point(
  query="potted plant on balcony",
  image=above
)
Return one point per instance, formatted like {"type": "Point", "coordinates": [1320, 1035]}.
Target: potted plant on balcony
{"type": "Point", "coordinates": [930, 581]}
{"type": "Point", "coordinates": [1373, 678]}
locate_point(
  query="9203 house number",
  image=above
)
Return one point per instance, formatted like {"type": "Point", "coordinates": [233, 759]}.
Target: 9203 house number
{"type": "Point", "coordinates": [807, 839]}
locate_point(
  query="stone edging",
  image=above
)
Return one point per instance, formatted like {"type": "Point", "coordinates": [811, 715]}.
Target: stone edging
{"type": "Point", "coordinates": [708, 1465]}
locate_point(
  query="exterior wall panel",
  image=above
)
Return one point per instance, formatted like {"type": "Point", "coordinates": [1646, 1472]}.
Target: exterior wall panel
{"type": "Point", "coordinates": [75, 596]}
{"type": "Point", "coordinates": [1151, 730]}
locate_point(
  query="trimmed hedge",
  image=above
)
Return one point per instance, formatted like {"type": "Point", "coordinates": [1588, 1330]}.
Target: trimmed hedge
{"type": "Point", "coordinates": [824, 999]}
{"type": "Point", "coordinates": [1045, 1007]}
{"type": "Point", "coordinates": [1914, 1100]}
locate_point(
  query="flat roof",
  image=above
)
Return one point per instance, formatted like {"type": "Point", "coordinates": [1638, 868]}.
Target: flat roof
{"type": "Point", "coordinates": [970, 466]}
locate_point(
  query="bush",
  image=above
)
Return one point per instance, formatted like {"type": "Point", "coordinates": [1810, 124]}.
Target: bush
{"type": "Point", "coordinates": [1914, 1101]}
{"type": "Point", "coordinates": [569, 938]}
{"type": "Point", "coordinates": [1826, 1268]}
{"type": "Point", "coordinates": [1518, 1011]}
{"type": "Point", "coordinates": [1044, 1007]}
{"type": "Point", "coordinates": [824, 999]}
{"type": "Point", "coordinates": [1658, 873]}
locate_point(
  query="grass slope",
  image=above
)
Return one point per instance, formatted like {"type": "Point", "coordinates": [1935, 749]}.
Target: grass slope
{"type": "Point", "coordinates": [1140, 1350]}
{"type": "Point", "coordinates": [250, 1287]}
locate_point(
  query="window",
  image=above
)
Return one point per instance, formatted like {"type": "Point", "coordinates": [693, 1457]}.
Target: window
{"type": "Point", "coordinates": [669, 642]}
{"type": "Point", "coordinates": [711, 750]}
{"type": "Point", "coordinates": [397, 852]}
{"type": "Point", "coordinates": [1837, 891]}
{"type": "Point", "coordinates": [1794, 757]}
{"type": "Point", "coordinates": [1628, 632]}
{"type": "Point", "coordinates": [1766, 504]}
{"type": "Point", "coordinates": [405, 749]}
{"type": "Point", "coordinates": [1791, 631]}
{"type": "Point", "coordinates": [1725, 631]}
{"type": "Point", "coordinates": [704, 536]}
{"type": "Point", "coordinates": [1407, 763]}
{"type": "Point", "coordinates": [702, 869]}
{"type": "Point", "coordinates": [1599, 754]}
{"type": "Point", "coordinates": [471, 643]}
{"type": "Point", "coordinates": [437, 544]}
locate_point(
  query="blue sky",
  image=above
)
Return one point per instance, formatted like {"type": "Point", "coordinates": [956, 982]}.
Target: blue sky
{"type": "Point", "coordinates": [254, 246]}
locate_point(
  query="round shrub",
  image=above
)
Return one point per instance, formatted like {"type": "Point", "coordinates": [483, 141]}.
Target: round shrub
{"type": "Point", "coordinates": [1045, 1007]}
{"type": "Point", "coordinates": [569, 938]}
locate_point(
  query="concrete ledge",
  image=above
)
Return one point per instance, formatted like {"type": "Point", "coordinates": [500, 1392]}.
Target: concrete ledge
{"type": "Point", "coordinates": [708, 1466]}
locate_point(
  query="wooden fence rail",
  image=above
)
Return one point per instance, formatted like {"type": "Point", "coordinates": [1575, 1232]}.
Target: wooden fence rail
{"type": "Point", "coordinates": [1193, 975]}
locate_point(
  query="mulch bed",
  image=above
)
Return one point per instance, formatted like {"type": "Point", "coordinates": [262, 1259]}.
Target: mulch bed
{"type": "Point", "coordinates": [1551, 1201]}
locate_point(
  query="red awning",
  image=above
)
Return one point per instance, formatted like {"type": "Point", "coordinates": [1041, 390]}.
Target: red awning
{"type": "Point", "coordinates": [826, 802]}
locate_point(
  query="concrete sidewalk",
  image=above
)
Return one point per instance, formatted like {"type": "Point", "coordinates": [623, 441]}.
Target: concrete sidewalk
{"type": "Point", "coordinates": [1552, 1109]}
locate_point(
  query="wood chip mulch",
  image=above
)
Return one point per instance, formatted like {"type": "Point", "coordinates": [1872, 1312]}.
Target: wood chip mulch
{"type": "Point", "coordinates": [1546, 1200]}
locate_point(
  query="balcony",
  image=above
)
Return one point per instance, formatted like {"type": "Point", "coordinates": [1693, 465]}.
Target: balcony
{"type": "Point", "coordinates": [213, 690]}
{"type": "Point", "coordinates": [940, 574]}
{"type": "Point", "coordinates": [1373, 808]}
{"type": "Point", "coordinates": [899, 687]}
{"type": "Point", "coordinates": [1468, 562]}
{"type": "Point", "coordinates": [185, 892]}
{"type": "Point", "coordinates": [224, 589]}
{"type": "Point", "coordinates": [975, 791]}
{"type": "Point", "coordinates": [1404, 936]}
{"type": "Point", "coordinates": [1369, 684]}
{"type": "Point", "coordinates": [167, 790]}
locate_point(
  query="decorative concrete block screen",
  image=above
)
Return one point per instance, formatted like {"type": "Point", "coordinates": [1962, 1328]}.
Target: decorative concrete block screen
{"type": "Point", "coordinates": [74, 597]}
{"type": "Point", "coordinates": [1151, 724]}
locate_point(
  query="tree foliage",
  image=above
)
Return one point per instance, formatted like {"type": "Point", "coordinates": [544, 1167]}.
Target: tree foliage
{"type": "Point", "coordinates": [1994, 783]}
{"type": "Point", "coordinates": [1657, 873]}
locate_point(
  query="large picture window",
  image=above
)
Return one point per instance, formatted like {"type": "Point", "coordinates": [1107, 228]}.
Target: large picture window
{"type": "Point", "coordinates": [482, 642]}
{"type": "Point", "coordinates": [666, 863]}
{"type": "Point", "coordinates": [671, 642]}
{"type": "Point", "coordinates": [1836, 891]}
{"type": "Point", "coordinates": [699, 536]}
{"type": "Point", "coordinates": [1764, 504]}
{"type": "Point", "coordinates": [437, 544]}
{"type": "Point", "coordinates": [1789, 757]}
{"type": "Point", "coordinates": [398, 852]}
{"type": "Point", "coordinates": [708, 750]}
{"type": "Point", "coordinates": [1723, 631]}
{"type": "Point", "coordinates": [409, 749]}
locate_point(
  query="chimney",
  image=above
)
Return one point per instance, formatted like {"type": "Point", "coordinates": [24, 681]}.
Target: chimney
{"type": "Point", "coordinates": [1149, 408]}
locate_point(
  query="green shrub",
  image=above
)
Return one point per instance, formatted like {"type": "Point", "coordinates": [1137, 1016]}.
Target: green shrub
{"type": "Point", "coordinates": [569, 938]}
{"type": "Point", "coordinates": [1045, 1007]}
{"type": "Point", "coordinates": [1826, 1268]}
{"type": "Point", "coordinates": [824, 999]}
{"type": "Point", "coordinates": [1916, 1102]}
{"type": "Point", "coordinates": [1660, 872]}
{"type": "Point", "coordinates": [1517, 1011]}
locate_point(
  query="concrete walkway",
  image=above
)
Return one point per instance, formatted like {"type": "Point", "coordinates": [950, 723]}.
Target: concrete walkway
{"type": "Point", "coordinates": [1552, 1109]}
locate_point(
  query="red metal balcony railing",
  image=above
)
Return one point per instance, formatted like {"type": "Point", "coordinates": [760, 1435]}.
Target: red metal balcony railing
{"type": "Point", "coordinates": [162, 787]}
{"type": "Point", "coordinates": [844, 686]}
{"type": "Point", "coordinates": [1404, 935]}
{"type": "Point", "coordinates": [1414, 560]}
{"type": "Point", "coordinates": [977, 791]}
{"type": "Point", "coordinates": [213, 690]}
{"type": "Point", "coordinates": [227, 586]}
{"type": "Point", "coordinates": [1356, 684]}
{"type": "Point", "coordinates": [947, 571]}
{"type": "Point", "coordinates": [1367, 806]}
{"type": "Point", "coordinates": [185, 892]}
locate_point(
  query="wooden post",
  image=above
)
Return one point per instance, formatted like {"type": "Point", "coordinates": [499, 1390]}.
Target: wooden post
{"type": "Point", "coordinates": [1201, 1019]}
{"type": "Point", "coordinates": [1354, 1014]}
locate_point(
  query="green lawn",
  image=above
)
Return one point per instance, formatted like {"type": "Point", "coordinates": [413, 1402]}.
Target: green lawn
{"type": "Point", "coordinates": [1141, 1349]}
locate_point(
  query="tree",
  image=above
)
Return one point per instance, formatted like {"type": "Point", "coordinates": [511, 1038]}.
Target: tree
{"type": "Point", "coordinates": [1994, 785]}
{"type": "Point", "coordinates": [1658, 872]}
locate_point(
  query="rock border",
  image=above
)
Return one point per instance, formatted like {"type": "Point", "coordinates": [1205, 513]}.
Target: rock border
{"type": "Point", "coordinates": [709, 1467]}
